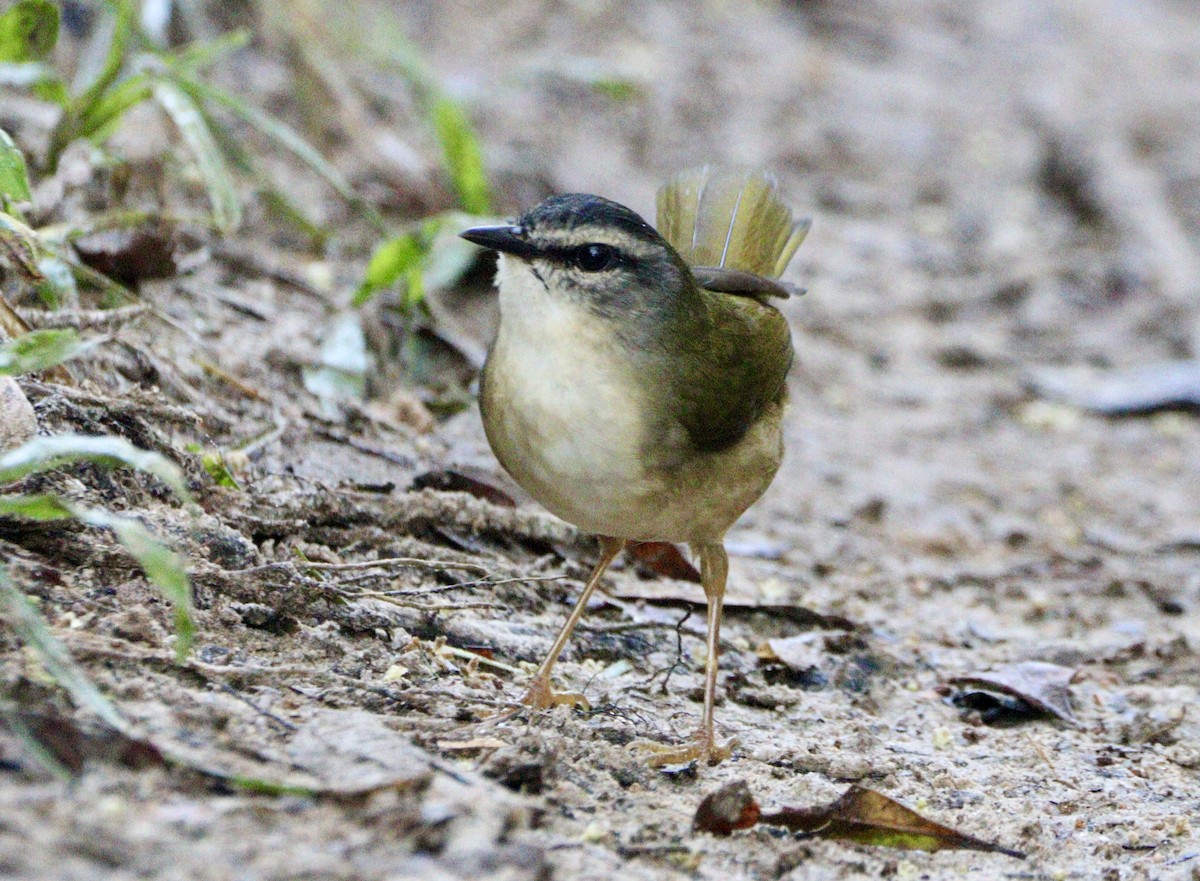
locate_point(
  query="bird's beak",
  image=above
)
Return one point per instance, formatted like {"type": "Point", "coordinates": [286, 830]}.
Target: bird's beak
{"type": "Point", "coordinates": [506, 238]}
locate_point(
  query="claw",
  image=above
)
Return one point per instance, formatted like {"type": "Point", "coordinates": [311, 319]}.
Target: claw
{"type": "Point", "coordinates": [703, 748]}
{"type": "Point", "coordinates": [542, 697]}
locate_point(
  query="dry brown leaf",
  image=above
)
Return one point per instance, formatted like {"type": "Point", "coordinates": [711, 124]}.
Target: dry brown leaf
{"type": "Point", "coordinates": [72, 746]}
{"type": "Point", "coordinates": [460, 480]}
{"type": "Point", "coordinates": [868, 817]}
{"type": "Point", "coordinates": [663, 559]}
{"type": "Point", "coordinates": [860, 815]}
{"type": "Point", "coordinates": [1042, 686]}
{"type": "Point", "coordinates": [130, 255]}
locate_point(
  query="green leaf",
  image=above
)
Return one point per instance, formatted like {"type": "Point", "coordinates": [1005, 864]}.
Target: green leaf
{"type": "Point", "coordinates": [33, 630]}
{"type": "Point", "coordinates": [14, 180]}
{"type": "Point", "coordinates": [40, 349]}
{"type": "Point", "coordinates": [122, 27]}
{"type": "Point", "coordinates": [102, 115]}
{"type": "Point", "coordinates": [58, 283]}
{"type": "Point", "coordinates": [162, 566]}
{"type": "Point", "coordinates": [462, 155]}
{"type": "Point", "coordinates": [273, 129]}
{"type": "Point", "coordinates": [391, 261]}
{"type": "Point", "coordinates": [201, 54]}
{"type": "Point", "coordinates": [222, 193]}
{"type": "Point", "coordinates": [28, 31]}
{"type": "Point", "coordinates": [214, 463]}
{"type": "Point", "coordinates": [45, 453]}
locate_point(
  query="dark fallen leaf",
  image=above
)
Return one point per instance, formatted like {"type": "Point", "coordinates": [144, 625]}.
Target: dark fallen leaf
{"type": "Point", "coordinates": [1042, 687]}
{"type": "Point", "coordinates": [819, 659]}
{"type": "Point", "coordinates": [730, 808]}
{"type": "Point", "coordinates": [130, 255]}
{"type": "Point", "coordinates": [663, 559]}
{"type": "Point", "coordinates": [1172, 385]}
{"type": "Point", "coordinates": [484, 651]}
{"type": "Point", "coordinates": [458, 480]}
{"type": "Point", "coordinates": [867, 817]}
{"type": "Point", "coordinates": [71, 745]}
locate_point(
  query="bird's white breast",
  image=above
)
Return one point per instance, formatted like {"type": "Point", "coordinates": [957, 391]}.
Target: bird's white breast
{"type": "Point", "coordinates": [567, 420]}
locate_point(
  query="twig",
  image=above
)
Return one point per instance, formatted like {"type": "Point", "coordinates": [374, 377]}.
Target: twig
{"type": "Point", "coordinates": [362, 446]}
{"type": "Point", "coordinates": [84, 319]}
{"type": "Point", "coordinates": [405, 604]}
{"type": "Point", "coordinates": [678, 662]}
{"type": "Point", "coordinates": [229, 379]}
{"type": "Point", "coordinates": [364, 564]}
{"type": "Point", "coordinates": [286, 725]}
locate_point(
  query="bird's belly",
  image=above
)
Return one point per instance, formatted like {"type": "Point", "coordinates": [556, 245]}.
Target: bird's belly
{"type": "Point", "coordinates": [576, 438]}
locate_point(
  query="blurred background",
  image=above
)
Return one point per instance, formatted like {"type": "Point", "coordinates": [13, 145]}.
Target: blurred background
{"type": "Point", "coordinates": [992, 442]}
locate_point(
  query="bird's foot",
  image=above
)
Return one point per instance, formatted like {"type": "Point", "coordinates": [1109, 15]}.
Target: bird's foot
{"type": "Point", "coordinates": [542, 697]}
{"type": "Point", "coordinates": [703, 748]}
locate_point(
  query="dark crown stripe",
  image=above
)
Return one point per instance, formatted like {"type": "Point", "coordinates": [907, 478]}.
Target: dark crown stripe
{"type": "Point", "coordinates": [580, 209]}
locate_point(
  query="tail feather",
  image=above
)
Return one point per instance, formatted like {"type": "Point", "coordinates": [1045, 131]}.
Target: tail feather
{"type": "Point", "coordinates": [729, 219]}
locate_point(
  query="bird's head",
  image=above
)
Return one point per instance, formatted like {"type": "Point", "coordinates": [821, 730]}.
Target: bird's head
{"type": "Point", "coordinates": [590, 250]}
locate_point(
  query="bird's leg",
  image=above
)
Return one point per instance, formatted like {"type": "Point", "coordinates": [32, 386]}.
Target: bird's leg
{"type": "Point", "coordinates": [540, 694]}
{"type": "Point", "coordinates": [714, 569]}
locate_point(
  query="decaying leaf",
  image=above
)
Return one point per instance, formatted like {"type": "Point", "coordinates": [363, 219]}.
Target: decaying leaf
{"type": "Point", "coordinates": [60, 742]}
{"type": "Point", "coordinates": [663, 559]}
{"type": "Point", "coordinates": [730, 808]}
{"type": "Point", "coordinates": [129, 255]}
{"type": "Point", "coordinates": [860, 815]}
{"type": "Point", "coordinates": [1036, 686]}
{"type": "Point", "coordinates": [868, 817]}
{"type": "Point", "coordinates": [462, 480]}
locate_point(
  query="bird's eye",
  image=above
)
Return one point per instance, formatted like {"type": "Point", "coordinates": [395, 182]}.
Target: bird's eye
{"type": "Point", "coordinates": [595, 257]}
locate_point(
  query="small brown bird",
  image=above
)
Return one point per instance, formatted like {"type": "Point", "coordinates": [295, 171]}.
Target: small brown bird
{"type": "Point", "coordinates": [637, 384]}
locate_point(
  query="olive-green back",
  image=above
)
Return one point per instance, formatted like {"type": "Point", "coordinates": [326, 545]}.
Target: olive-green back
{"type": "Point", "coordinates": [735, 363]}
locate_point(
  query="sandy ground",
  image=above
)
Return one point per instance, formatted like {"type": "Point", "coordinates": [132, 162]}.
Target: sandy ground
{"type": "Point", "coordinates": [999, 190]}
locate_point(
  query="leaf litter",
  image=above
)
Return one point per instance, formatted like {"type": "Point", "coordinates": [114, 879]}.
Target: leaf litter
{"type": "Point", "coordinates": [860, 815]}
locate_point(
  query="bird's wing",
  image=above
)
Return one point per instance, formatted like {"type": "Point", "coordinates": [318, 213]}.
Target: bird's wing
{"type": "Point", "coordinates": [732, 373]}
{"type": "Point", "coordinates": [738, 235]}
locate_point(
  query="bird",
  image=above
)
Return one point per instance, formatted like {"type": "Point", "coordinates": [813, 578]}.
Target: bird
{"type": "Point", "coordinates": [637, 383]}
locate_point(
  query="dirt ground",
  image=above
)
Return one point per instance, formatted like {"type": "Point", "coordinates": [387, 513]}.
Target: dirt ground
{"type": "Point", "coordinates": [1001, 192]}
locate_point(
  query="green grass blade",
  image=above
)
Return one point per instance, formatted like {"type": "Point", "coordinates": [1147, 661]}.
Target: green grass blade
{"type": "Point", "coordinates": [222, 193]}
{"type": "Point", "coordinates": [44, 453]}
{"type": "Point", "coordinates": [98, 121]}
{"type": "Point", "coordinates": [114, 58]}
{"type": "Point", "coordinates": [40, 349]}
{"type": "Point", "coordinates": [28, 31]}
{"type": "Point", "coordinates": [197, 56]}
{"type": "Point", "coordinates": [462, 155]}
{"type": "Point", "coordinates": [162, 566]}
{"type": "Point", "coordinates": [40, 507]}
{"type": "Point", "coordinates": [33, 630]}
{"type": "Point", "coordinates": [14, 179]}
{"type": "Point", "coordinates": [281, 134]}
